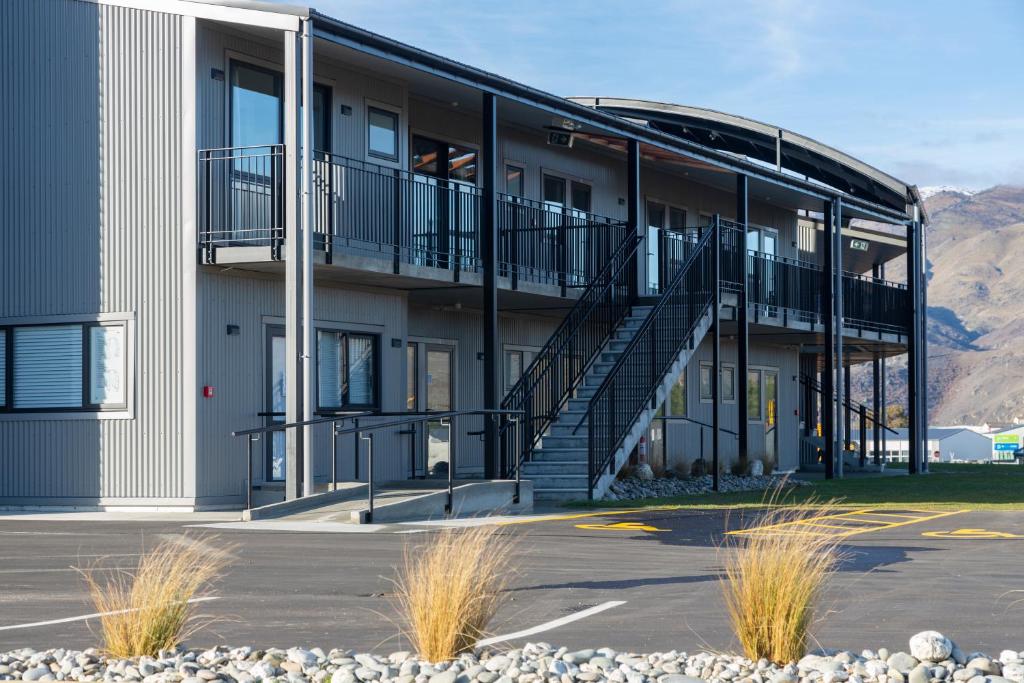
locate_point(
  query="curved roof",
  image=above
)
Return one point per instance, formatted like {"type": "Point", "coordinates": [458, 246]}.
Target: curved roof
{"type": "Point", "coordinates": [766, 143]}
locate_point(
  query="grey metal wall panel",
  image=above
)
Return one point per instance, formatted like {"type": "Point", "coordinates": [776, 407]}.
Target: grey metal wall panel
{"type": "Point", "coordinates": [91, 101]}
{"type": "Point", "coordinates": [465, 329]}
{"type": "Point", "coordinates": [235, 366]}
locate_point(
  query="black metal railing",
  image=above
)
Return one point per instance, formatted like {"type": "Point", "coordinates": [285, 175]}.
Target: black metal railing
{"type": "Point", "coordinates": [632, 382]}
{"type": "Point", "coordinates": [553, 245]}
{"type": "Point", "coordinates": [865, 416]}
{"type": "Point", "coordinates": [783, 287]}
{"type": "Point", "coordinates": [560, 366]}
{"type": "Point", "coordinates": [241, 191]}
{"type": "Point", "coordinates": [362, 207]}
{"type": "Point", "coordinates": [355, 424]}
{"type": "Point", "coordinates": [874, 304]}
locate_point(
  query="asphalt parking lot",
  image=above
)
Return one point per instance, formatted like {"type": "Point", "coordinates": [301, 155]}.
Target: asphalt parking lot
{"type": "Point", "coordinates": [641, 581]}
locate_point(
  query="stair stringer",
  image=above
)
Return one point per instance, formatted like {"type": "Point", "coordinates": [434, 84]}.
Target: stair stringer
{"type": "Point", "coordinates": [643, 420]}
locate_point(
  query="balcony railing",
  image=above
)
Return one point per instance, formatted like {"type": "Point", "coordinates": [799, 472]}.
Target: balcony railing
{"type": "Point", "coordinates": [365, 208]}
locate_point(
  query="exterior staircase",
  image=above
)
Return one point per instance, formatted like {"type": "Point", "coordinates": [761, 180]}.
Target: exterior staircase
{"type": "Point", "coordinates": [559, 468]}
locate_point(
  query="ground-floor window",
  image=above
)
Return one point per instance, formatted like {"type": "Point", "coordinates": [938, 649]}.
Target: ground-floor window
{"type": "Point", "coordinates": [728, 385]}
{"type": "Point", "coordinates": [66, 367]}
{"type": "Point", "coordinates": [346, 370]}
{"type": "Point", "coordinates": [515, 363]}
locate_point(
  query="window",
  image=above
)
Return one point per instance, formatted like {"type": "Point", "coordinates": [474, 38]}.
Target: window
{"type": "Point", "coordinates": [727, 387]}
{"type": "Point", "coordinates": [382, 138]}
{"type": "Point", "coordinates": [256, 106]}
{"type": "Point", "coordinates": [706, 389]}
{"type": "Point", "coordinates": [581, 197]}
{"type": "Point", "coordinates": [428, 158]}
{"type": "Point", "coordinates": [677, 397]}
{"type": "Point", "coordinates": [63, 367]}
{"type": "Point", "coordinates": [515, 184]}
{"type": "Point", "coordinates": [728, 383]}
{"type": "Point", "coordinates": [754, 395]}
{"type": "Point", "coordinates": [554, 192]}
{"type": "Point", "coordinates": [346, 370]}
{"type": "Point", "coordinates": [321, 118]}
{"type": "Point", "coordinates": [516, 362]}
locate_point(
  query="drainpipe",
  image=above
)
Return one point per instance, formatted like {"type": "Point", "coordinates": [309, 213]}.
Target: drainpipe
{"type": "Point", "coordinates": [306, 168]}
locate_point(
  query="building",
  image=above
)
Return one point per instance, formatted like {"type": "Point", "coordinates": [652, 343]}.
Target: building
{"type": "Point", "coordinates": [945, 444]}
{"type": "Point", "coordinates": [189, 252]}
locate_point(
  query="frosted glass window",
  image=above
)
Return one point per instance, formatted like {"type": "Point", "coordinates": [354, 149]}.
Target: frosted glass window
{"type": "Point", "coordinates": [107, 365]}
{"type": "Point", "coordinates": [48, 366]}
{"type": "Point", "coordinates": [360, 385]}
{"type": "Point", "coordinates": [332, 360]}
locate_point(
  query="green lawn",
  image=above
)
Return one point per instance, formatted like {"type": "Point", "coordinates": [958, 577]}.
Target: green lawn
{"type": "Point", "coordinates": [947, 487]}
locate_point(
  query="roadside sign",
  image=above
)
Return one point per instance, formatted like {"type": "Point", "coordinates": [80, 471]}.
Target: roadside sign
{"type": "Point", "coordinates": [1005, 442]}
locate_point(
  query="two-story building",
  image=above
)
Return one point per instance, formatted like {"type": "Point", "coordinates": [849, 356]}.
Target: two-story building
{"type": "Point", "coordinates": [224, 215]}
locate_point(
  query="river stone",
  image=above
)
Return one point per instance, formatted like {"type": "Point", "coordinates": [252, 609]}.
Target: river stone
{"type": "Point", "coordinates": [1014, 671]}
{"type": "Point", "coordinates": [36, 673]}
{"type": "Point", "coordinates": [985, 665]}
{"type": "Point", "coordinates": [1008, 656]}
{"type": "Point", "coordinates": [448, 676]}
{"type": "Point", "coordinates": [581, 656]}
{"type": "Point", "coordinates": [919, 674]}
{"type": "Point", "coordinates": [930, 646]}
{"type": "Point", "coordinates": [902, 662]}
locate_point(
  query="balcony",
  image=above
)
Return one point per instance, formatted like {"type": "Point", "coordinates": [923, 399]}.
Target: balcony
{"type": "Point", "coordinates": [398, 218]}
{"type": "Point", "coordinates": [786, 291]}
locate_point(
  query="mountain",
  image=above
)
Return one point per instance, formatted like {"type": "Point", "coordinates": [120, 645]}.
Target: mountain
{"type": "Point", "coordinates": [975, 241]}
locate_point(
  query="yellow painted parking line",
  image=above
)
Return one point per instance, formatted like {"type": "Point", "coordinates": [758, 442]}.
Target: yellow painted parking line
{"type": "Point", "coordinates": [836, 522]}
{"type": "Point", "coordinates": [972, 534]}
{"type": "Point", "coordinates": [621, 526]}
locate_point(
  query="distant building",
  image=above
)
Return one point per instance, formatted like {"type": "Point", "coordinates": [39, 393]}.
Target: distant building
{"type": "Point", "coordinates": [945, 444]}
{"type": "Point", "coordinates": [1006, 441]}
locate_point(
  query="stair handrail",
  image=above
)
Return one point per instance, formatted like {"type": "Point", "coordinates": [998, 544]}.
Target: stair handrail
{"type": "Point", "coordinates": [701, 255]}
{"type": "Point", "coordinates": [869, 414]}
{"type": "Point", "coordinates": [537, 381]}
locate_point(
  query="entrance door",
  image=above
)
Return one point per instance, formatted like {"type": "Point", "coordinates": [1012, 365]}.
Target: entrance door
{"type": "Point", "coordinates": [445, 221]}
{"type": "Point", "coordinates": [439, 383]}
{"type": "Point", "coordinates": [771, 415]}
{"type": "Point", "coordinates": [274, 399]}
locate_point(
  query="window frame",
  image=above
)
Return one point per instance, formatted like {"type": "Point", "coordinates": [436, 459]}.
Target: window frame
{"type": "Point", "coordinates": [375, 384]}
{"type": "Point", "coordinates": [527, 355]}
{"type": "Point", "coordinates": [721, 383]}
{"type": "Point", "coordinates": [397, 115]}
{"type": "Point", "coordinates": [521, 167]}
{"type": "Point", "coordinates": [85, 328]}
{"type": "Point", "coordinates": [274, 71]}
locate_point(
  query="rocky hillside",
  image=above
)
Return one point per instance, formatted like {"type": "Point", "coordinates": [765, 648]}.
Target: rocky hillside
{"type": "Point", "coordinates": [975, 307]}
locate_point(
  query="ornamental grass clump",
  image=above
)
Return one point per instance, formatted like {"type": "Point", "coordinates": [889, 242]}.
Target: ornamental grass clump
{"type": "Point", "coordinates": [152, 607]}
{"type": "Point", "coordinates": [774, 577]}
{"type": "Point", "coordinates": [450, 588]}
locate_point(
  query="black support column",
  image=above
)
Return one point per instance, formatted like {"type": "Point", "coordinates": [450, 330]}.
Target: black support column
{"type": "Point", "coordinates": [633, 208]}
{"type": "Point", "coordinates": [837, 338]}
{"type": "Point", "coordinates": [828, 374]}
{"type": "Point", "coordinates": [489, 254]}
{"type": "Point", "coordinates": [913, 348]}
{"type": "Point", "coordinates": [716, 351]}
{"type": "Point", "coordinates": [922, 339]}
{"type": "Point", "coordinates": [876, 381]}
{"type": "Point", "coordinates": [848, 407]}
{"type": "Point", "coordinates": [742, 324]}
{"type": "Point", "coordinates": [884, 416]}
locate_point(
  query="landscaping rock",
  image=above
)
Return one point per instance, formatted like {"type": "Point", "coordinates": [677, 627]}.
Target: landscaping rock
{"type": "Point", "coordinates": [902, 662]}
{"type": "Point", "coordinates": [930, 646]}
{"type": "Point", "coordinates": [635, 487]}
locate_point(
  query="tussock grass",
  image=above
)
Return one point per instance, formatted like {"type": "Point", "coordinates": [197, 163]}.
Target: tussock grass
{"type": "Point", "coordinates": [450, 588]}
{"type": "Point", "coordinates": [148, 608]}
{"type": "Point", "coordinates": [774, 579]}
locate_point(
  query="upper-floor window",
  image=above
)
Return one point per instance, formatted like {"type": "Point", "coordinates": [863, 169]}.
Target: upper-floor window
{"type": "Point", "coordinates": [346, 370]}
{"type": "Point", "coordinates": [321, 118]}
{"type": "Point", "coordinates": [515, 180]}
{"type": "Point", "coordinates": [764, 240]}
{"type": "Point", "coordinates": [382, 133]}
{"type": "Point", "coordinates": [444, 160]}
{"type": "Point", "coordinates": [63, 367]}
{"type": "Point", "coordinates": [257, 107]}
{"type": "Point", "coordinates": [556, 190]}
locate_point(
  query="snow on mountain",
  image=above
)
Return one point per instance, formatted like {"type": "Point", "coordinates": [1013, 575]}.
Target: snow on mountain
{"type": "Point", "coordinates": [933, 190]}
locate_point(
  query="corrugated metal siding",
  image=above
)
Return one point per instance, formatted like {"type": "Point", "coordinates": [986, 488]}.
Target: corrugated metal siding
{"type": "Point", "coordinates": [91, 219]}
{"type": "Point", "coordinates": [684, 438]}
{"type": "Point", "coordinates": [236, 367]}
{"type": "Point", "coordinates": [465, 329]}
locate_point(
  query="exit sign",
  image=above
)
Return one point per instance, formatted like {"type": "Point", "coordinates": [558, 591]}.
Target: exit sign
{"type": "Point", "coordinates": [859, 245]}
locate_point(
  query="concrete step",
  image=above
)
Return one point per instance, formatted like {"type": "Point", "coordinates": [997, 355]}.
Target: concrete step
{"type": "Point", "coordinates": [561, 495]}
{"type": "Point", "coordinates": [559, 481]}
{"type": "Point", "coordinates": [538, 470]}
{"type": "Point", "coordinates": [555, 454]}
{"type": "Point", "coordinates": [563, 441]}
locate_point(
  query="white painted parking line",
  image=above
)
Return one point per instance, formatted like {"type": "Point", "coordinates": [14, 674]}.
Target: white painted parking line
{"type": "Point", "coordinates": [299, 527]}
{"type": "Point", "coordinates": [85, 617]}
{"type": "Point", "coordinates": [547, 626]}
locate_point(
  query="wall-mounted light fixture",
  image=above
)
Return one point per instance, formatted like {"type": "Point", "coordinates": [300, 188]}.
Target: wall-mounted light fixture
{"type": "Point", "coordinates": [234, 330]}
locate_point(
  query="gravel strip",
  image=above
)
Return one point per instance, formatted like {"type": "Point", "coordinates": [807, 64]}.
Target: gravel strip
{"type": "Point", "coordinates": [933, 658]}
{"type": "Point", "coordinates": [636, 489]}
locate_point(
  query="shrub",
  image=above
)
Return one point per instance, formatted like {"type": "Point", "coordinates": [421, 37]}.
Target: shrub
{"type": "Point", "coordinates": [151, 608]}
{"type": "Point", "coordinates": [769, 465]}
{"type": "Point", "coordinates": [681, 469]}
{"type": "Point", "coordinates": [450, 588]}
{"type": "Point", "coordinates": [774, 578]}
{"type": "Point", "coordinates": [627, 472]}
{"type": "Point", "coordinates": [740, 468]}
{"type": "Point", "coordinates": [699, 467]}
{"type": "Point", "coordinates": [658, 469]}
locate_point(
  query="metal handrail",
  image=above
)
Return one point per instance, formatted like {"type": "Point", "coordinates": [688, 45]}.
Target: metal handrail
{"type": "Point", "coordinates": [559, 367]}
{"type": "Point", "coordinates": [859, 408]}
{"type": "Point", "coordinates": [365, 433]}
{"type": "Point", "coordinates": [685, 305]}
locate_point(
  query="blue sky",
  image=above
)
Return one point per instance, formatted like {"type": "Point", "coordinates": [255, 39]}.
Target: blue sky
{"type": "Point", "coordinates": [932, 92]}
